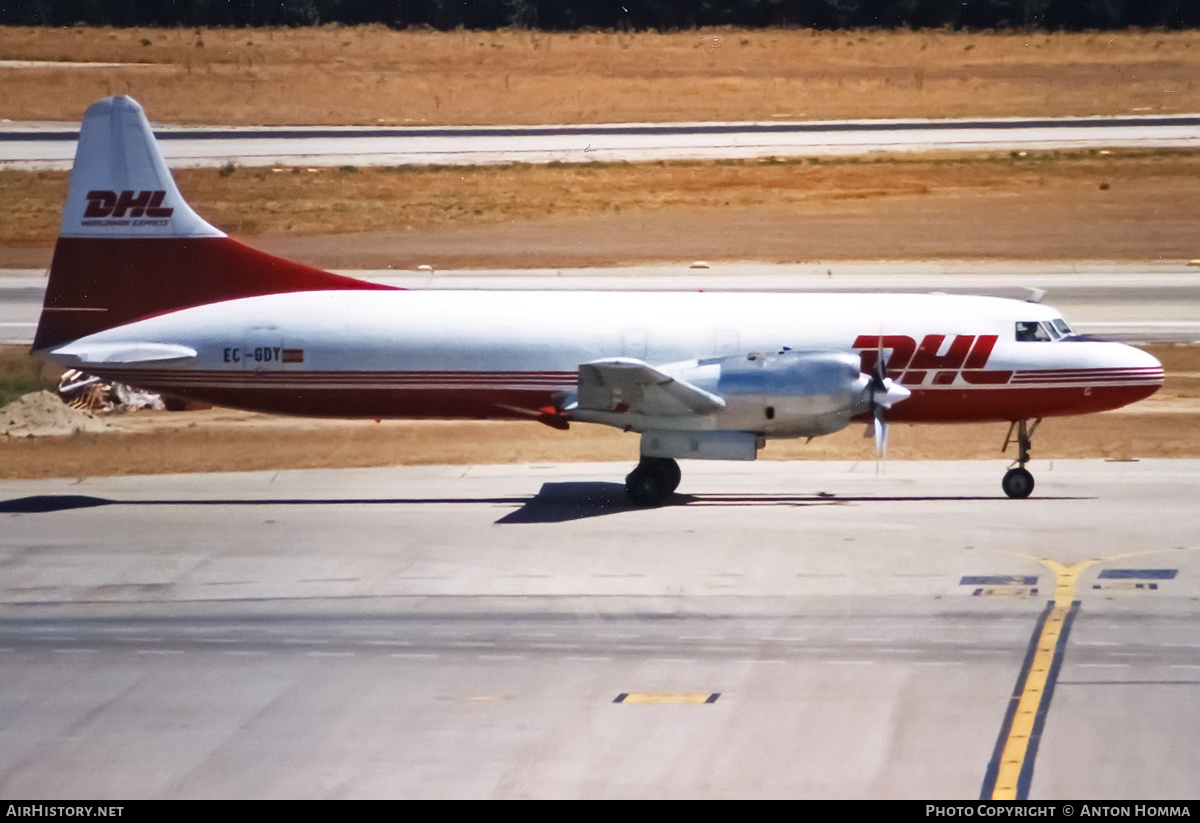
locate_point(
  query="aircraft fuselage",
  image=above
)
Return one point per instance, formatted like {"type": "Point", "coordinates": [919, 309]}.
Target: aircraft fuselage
{"type": "Point", "coordinates": [508, 354]}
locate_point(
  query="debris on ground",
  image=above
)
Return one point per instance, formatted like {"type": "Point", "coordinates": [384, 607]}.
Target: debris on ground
{"type": "Point", "coordinates": [42, 414]}
{"type": "Point", "coordinates": [89, 394]}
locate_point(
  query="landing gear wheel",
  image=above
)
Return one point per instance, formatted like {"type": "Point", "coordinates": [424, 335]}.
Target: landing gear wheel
{"type": "Point", "coordinates": [668, 469]}
{"type": "Point", "coordinates": [1017, 484]}
{"type": "Point", "coordinates": [645, 487]}
{"type": "Point", "coordinates": [653, 481]}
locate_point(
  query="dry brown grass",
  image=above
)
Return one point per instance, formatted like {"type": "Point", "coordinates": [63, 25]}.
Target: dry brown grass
{"type": "Point", "coordinates": [369, 75]}
{"type": "Point", "coordinates": [1139, 186]}
{"type": "Point", "coordinates": [21, 374]}
{"type": "Point", "coordinates": [1044, 206]}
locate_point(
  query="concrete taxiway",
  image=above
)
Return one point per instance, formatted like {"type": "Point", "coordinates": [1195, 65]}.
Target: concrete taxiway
{"type": "Point", "coordinates": [785, 629]}
{"type": "Point", "coordinates": [35, 146]}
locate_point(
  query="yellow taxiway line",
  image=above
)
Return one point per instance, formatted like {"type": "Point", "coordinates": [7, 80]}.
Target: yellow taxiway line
{"type": "Point", "coordinates": [1020, 733]}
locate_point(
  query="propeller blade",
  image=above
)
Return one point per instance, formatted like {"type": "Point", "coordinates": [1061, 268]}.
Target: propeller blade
{"type": "Point", "coordinates": [884, 393]}
{"type": "Point", "coordinates": [879, 373]}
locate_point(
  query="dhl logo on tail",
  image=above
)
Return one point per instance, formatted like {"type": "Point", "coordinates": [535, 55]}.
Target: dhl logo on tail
{"type": "Point", "coordinates": [109, 204]}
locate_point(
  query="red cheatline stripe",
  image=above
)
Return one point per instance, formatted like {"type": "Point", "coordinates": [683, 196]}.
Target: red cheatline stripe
{"type": "Point", "coordinates": [274, 377]}
{"type": "Point", "coordinates": [508, 387]}
{"type": "Point", "coordinates": [1078, 374]}
{"type": "Point", "coordinates": [327, 380]}
{"type": "Point", "coordinates": [1069, 381]}
{"type": "Point", "coordinates": [299, 379]}
{"type": "Point", "coordinates": [333, 376]}
{"type": "Point", "coordinates": [186, 387]}
{"type": "Point", "coordinates": [316, 384]}
{"type": "Point", "coordinates": [1099, 378]}
{"type": "Point", "coordinates": [409, 375]}
{"type": "Point", "coordinates": [1102, 368]}
{"type": "Point", "coordinates": [1089, 372]}
{"type": "Point", "coordinates": [268, 377]}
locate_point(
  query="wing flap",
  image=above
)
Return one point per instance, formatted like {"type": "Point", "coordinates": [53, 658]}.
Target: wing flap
{"type": "Point", "coordinates": [628, 385]}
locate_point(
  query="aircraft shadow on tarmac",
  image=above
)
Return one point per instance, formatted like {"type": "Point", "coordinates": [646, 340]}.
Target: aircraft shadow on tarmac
{"type": "Point", "coordinates": [560, 502]}
{"type": "Point", "coordinates": [554, 502]}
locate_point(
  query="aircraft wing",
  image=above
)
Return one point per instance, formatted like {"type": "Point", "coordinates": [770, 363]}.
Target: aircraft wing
{"type": "Point", "coordinates": [624, 384]}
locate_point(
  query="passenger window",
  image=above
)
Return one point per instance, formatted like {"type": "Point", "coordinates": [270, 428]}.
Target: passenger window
{"type": "Point", "coordinates": [1030, 331]}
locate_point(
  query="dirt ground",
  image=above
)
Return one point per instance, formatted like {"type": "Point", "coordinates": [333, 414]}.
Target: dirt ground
{"type": "Point", "coordinates": [1115, 205]}
{"type": "Point", "coordinates": [370, 75]}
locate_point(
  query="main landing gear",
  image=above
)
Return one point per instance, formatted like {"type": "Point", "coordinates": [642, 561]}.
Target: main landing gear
{"type": "Point", "coordinates": [652, 481]}
{"type": "Point", "coordinates": [1018, 482]}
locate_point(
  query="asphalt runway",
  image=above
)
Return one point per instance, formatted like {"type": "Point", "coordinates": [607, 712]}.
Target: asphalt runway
{"type": "Point", "coordinates": [1136, 303]}
{"type": "Point", "coordinates": [783, 630]}
{"type": "Point", "coordinates": [38, 146]}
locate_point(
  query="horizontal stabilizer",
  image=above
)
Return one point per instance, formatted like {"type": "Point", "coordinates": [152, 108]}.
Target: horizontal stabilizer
{"type": "Point", "coordinates": [95, 353]}
{"type": "Point", "coordinates": [628, 385]}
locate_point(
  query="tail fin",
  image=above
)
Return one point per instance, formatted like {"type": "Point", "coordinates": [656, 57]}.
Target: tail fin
{"type": "Point", "coordinates": [130, 247]}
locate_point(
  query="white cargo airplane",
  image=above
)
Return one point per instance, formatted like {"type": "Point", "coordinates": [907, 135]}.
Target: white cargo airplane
{"type": "Point", "coordinates": [143, 291]}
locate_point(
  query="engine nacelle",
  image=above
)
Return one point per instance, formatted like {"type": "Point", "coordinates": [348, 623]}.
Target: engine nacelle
{"type": "Point", "coordinates": [784, 394]}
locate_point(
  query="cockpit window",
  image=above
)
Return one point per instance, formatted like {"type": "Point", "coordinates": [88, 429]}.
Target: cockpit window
{"type": "Point", "coordinates": [1062, 328]}
{"type": "Point", "coordinates": [1029, 331]}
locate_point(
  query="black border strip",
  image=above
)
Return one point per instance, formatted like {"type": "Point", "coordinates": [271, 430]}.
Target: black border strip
{"type": "Point", "coordinates": [1039, 722]}
{"type": "Point", "coordinates": [993, 769]}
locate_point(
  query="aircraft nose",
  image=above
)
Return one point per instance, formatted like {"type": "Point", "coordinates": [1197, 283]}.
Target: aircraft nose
{"type": "Point", "coordinates": [1134, 358]}
{"type": "Point", "coordinates": [1139, 367]}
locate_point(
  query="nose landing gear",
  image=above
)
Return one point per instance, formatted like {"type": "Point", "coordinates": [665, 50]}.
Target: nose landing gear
{"type": "Point", "coordinates": [1018, 482]}
{"type": "Point", "coordinates": [652, 481]}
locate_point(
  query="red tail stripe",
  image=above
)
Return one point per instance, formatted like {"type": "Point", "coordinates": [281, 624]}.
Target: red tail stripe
{"type": "Point", "coordinates": [118, 281]}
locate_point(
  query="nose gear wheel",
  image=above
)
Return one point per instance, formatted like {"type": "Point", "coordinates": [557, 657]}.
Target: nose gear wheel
{"type": "Point", "coordinates": [1018, 481]}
